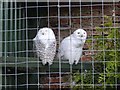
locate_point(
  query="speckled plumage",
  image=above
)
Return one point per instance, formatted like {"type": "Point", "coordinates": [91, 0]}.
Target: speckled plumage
{"type": "Point", "coordinates": [45, 45]}
{"type": "Point", "coordinates": [71, 46]}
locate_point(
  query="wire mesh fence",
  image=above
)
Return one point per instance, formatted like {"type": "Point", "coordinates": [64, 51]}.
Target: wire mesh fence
{"type": "Point", "coordinates": [99, 65]}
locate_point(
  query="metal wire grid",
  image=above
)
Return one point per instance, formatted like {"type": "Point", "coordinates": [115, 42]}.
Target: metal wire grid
{"type": "Point", "coordinates": [16, 38]}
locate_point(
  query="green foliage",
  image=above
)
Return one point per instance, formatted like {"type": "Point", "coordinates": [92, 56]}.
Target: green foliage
{"type": "Point", "coordinates": [82, 80]}
{"type": "Point", "coordinates": [107, 45]}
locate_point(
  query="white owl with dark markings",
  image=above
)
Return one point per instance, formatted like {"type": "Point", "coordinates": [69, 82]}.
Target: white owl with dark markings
{"type": "Point", "coordinates": [71, 46]}
{"type": "Point", "coordinates": [45, 45]}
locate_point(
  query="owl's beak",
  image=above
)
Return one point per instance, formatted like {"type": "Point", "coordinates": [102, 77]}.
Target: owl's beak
{"type": "Point", "coordinates": [42, 33]}
{"type": "Point", "coordinates": [81, 35]}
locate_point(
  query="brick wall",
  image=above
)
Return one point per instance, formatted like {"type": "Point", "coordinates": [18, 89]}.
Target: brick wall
{"type": "Point", "coordinates": [85, 20]}
{"type": "Point", "coordinates": [91, 17]}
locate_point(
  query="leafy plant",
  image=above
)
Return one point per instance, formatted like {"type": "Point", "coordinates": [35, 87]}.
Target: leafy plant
{"type": "Point", "coordinates": [107, 46]}
{"type": "Point", "coordinates": [109, 43]}
{"type": "Point", "coordinates": [82, 80]}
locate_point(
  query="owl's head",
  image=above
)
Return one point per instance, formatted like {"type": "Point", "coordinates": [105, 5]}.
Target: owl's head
{"type": "Point", "coordinates": [46, 33]}
{"type": "Point", "coordinates": [80, 34]}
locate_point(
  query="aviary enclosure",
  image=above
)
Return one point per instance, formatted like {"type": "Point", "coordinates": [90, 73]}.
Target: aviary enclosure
{"type": "Point", "coordinates": [99, 65]}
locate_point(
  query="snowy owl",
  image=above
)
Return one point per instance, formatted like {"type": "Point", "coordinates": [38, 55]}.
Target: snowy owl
{"type": "Point", "coordinates": [45, 45]}
{"type": "Point", "coordinates": [71, 46]}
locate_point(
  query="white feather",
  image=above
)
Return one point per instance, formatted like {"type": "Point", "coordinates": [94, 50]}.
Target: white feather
{"type": "Point", "coordinates": [45, 45]}
{"type": "Point", "coordinates": [71, 47]}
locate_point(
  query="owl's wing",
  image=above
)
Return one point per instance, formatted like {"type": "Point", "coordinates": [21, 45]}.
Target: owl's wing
{"type": "Point", "coordinates": [60, 53]}
{"type": "Point", "coordinates": [39, 48]}
{"type": "Point", "coordinates": [64, 45]}
{"type": "Point", "coordinates": [50, 52]}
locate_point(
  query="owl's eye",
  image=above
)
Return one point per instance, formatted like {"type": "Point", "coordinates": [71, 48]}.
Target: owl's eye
{"type": "Point", "coordinates": [78, 33]}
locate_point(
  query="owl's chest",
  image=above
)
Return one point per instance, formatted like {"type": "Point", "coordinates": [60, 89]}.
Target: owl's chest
{"type": "Point", "coordinates": [76, 43]}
